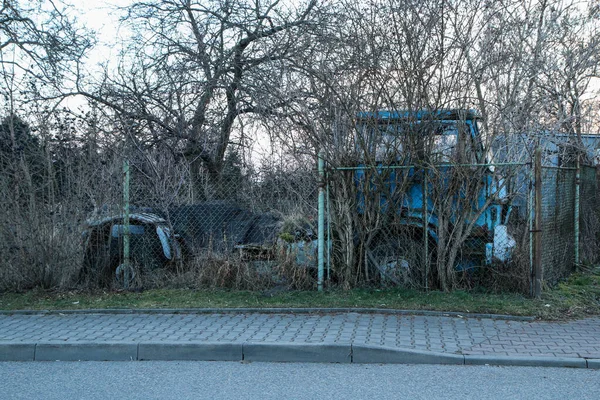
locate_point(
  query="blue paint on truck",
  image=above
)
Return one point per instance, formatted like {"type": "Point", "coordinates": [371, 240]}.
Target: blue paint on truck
{"type": "Point", "coordinates": [393, 142]}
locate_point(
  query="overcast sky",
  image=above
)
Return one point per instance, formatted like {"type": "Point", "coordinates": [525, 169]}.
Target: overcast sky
{"type": "Point", "coordinates": [102, 17]}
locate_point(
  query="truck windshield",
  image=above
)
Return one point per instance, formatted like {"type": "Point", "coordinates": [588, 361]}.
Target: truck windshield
{"type": "Point", "coordinates": [436, 142]}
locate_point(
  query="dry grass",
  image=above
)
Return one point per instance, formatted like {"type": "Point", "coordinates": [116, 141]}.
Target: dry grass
{"type": "Point", "coordinates": [579, 296]}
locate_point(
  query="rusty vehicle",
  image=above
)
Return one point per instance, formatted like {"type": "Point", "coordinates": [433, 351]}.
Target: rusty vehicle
{"type": "Point", "coordinates": [152, 245]}
{"type": "Point", "coordinates": [161, 239]}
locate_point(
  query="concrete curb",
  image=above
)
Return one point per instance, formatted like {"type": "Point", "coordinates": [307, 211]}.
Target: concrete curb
{"type": "Point", "coordinates": [389, 355]}
{"type": "Point", "coordinates": [298, 352]}
{"type": "Point", "coordinates": [17, 351]}
{"type": "Point", "coordinates": [265, 352]}
{"type": "Point", "coordinates": [191, 351]}
{"type": "Point", "coordinates": [529, 361]}
{"type": "Point", "coordinates": [80, 351]}
{"type": "Point", "coordinates": [270, 311]}
{"type": "Point", "coordinates": [593, 363]}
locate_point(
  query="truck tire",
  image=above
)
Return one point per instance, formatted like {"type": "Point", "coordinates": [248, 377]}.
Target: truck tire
{"type": "Point", "coordinates": [397, 260]}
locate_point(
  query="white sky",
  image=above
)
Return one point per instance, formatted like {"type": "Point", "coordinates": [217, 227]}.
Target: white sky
{"type": "Point", "coordinates": [102, 17]}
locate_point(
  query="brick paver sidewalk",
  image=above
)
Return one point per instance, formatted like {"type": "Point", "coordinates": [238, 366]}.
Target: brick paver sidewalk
{"type": "Point", "coordinates": [440, 334]}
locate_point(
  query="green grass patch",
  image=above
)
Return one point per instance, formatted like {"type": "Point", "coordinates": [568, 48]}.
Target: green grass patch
{"type": "Point", "coordinates": [576, 297]}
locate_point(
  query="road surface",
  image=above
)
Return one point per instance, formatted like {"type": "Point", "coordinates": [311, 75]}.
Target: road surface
{"type": "Point", "coordinates": [235, 380]}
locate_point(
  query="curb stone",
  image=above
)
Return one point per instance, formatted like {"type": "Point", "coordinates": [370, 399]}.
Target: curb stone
{"type": "Point", "coordinates": [593, 363]}
{"type": "Point", "coordinates": [528, 361]}
{"type": "Point", "coordinates": [17, 351]}
{"type": "Point", "coordinates": [390, 355]}
{"type": "Point", "coordinates": [265, 352]}
{"type": "Point", "coordinates": [90, 351]}
{"type": "Point", "coordinates": [298, 352]}
{"type": "Point", "coordinates": [190, 351]}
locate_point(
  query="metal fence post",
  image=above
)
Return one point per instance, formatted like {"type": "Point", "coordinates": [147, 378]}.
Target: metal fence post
{"type": "Point", "coordinates": [321, 228]}
{"type": "Point", "coordinates": [425, 226]}
{"type": "Point", "coordinates": [530, 219]}
{"type": "Point", "coordinates": [328, 231]}
{"type": "Point", "coordinates": [126, 230]}
{"type": "Point", "coordinates": [537, 231]}
{"type": "Point", "coordinates": [577, 198]}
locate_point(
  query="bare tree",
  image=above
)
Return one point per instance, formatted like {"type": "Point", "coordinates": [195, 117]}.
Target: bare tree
{"type": "Point", "coordinates": [193, 68]}
{"type": "Point", "coordinates": [531, 65]}
{"type": "Point", "coordinates": [39, 43]}
{"type": "Point", "coordinates": [570, 64]}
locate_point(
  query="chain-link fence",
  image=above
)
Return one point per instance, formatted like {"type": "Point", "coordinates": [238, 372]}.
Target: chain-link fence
{"type": "Point", "coordinates": [240, 229]}
{"type": "Point", "coordinates": [443, 226]}
{"type": "Point", "coordinates": [460, 226]}
{"type": "Point", "coordinates": [589, 216]}
{"type": "Point", "coordinates": [421, 226]}
{"type": "Point", "coordinates": [64, 224]}
{"type": "Point", "coordinates": [558, 222]}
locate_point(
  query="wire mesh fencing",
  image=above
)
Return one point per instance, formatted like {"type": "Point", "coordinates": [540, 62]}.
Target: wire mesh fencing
{"type": "Point", "coordinates": [241, 230]}
{"type": "Point", "coordinates": [424, 227]}
{"type": "Point", "coordinates": [419, 226]}
{"type": "Point", "coordinates": [64, 222]}
{"type": "Point", "coordinates": [461, 226]}
{"type": "Point", "coordinates": [589, 216]}
{"type": "Point", "coordinates": [558, 223]}
{"type": "Point", "coordinates": [443, 226]}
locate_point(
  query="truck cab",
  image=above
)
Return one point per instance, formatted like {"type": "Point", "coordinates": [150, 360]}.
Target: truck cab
{"type": "Point", "coordinates": [427, 170]}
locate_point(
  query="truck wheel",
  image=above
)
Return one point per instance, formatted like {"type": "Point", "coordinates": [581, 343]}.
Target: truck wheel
{"type": "Point", "coordinates": [397, 259]}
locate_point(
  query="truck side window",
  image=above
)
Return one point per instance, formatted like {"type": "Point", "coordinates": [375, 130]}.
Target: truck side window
{"type": "Point", "coordinates": [444, 144]}
{"type": "Point", "coordinates": [388, 144]}
{"type": "Point", "coordinates": [452, 142]}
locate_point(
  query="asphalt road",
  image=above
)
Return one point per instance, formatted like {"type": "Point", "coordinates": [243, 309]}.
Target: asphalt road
{"type": "Point", "coordinates": [233, 380]}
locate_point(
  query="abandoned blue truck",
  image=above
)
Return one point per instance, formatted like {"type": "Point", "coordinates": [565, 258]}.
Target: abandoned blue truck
{"type": "Point", "coordinates": [408, 158]}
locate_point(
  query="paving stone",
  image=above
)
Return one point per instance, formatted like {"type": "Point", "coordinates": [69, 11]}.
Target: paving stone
{"type": "Point", "coordinates": [473, 336]}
